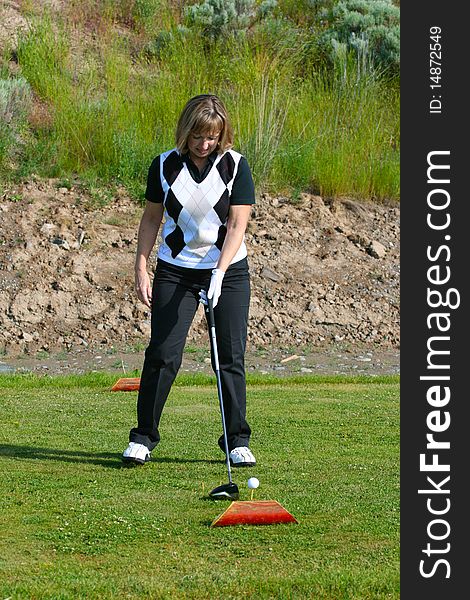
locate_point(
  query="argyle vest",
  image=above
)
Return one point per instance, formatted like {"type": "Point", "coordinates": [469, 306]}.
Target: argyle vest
{"type": "Point", "coordinates": [195, 214]}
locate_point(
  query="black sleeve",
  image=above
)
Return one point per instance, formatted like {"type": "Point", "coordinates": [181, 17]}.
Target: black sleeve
{"type": "Point", "coordinates": [243, 190]}
{"type": "Point", "coordinates": [154, 191]}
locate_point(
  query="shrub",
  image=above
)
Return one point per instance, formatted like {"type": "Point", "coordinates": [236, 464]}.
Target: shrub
{"type": "Point", "coordinates": [369, 28]}
{"type": "Point", "coordinates": [15, 100]}
{"type": "Point", "coordinates": [15, 103]}
{"type": "Point", "coordinates": [221, 17]}
{"type": "Point", "coordinates": [156, 48]}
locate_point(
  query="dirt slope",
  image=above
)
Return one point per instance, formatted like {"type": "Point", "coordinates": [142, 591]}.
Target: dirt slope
{"type": "Point", "coordinates": [323, 271]}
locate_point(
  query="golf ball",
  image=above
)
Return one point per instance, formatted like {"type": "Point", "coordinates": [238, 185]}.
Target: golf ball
{"type": "Point", "coordinates": [253, 483]}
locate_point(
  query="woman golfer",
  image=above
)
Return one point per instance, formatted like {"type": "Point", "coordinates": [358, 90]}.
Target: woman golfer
{"type": "Point", "coordinates": [202, 191]}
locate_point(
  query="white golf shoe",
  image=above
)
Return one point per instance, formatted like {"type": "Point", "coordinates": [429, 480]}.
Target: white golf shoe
{"type": "Point", "coordinates": [242, 457]}
{"type": "Point", "coordinates": [136, 453]}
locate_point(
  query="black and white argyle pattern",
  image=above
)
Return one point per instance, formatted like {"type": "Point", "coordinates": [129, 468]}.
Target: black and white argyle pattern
{"type": "Point", "coordinates": [196, 213]}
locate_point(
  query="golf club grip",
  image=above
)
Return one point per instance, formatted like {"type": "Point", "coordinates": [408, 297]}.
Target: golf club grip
{"type": "Point", "coordinates": [210, 312]}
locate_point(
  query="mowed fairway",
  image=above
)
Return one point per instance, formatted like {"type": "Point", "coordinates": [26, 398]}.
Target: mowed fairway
{"type": "Point", "coordinates": [75, 524]}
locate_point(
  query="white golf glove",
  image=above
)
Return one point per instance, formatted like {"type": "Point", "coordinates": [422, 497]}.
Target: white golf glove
{"type": "Point", "coordinates": [215, 286]}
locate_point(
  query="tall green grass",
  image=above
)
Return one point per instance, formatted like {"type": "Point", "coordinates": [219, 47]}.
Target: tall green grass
{"type": "Point", "coordinates": [344, 132]}
{"type": "Point", "coordinates": [116, 108]}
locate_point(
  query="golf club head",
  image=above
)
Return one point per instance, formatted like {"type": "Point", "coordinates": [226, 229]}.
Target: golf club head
{"type": "Point", "coordinates": [228, 491]}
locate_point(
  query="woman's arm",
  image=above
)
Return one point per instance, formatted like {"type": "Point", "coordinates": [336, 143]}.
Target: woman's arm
{"type": "Point", "coordinates": [148, 231]}
{"type": "Point", "coordinates": [236, 226]}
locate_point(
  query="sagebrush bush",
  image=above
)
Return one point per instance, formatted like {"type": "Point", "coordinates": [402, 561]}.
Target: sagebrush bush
{"type": "Point", "coordinates": [217, 18]}
{"type": "Point", "coordinates": [15, 100]}
{"type": "Point", "coordinates": [15, 104]}
{"type": "Point", "coordinates": [370, 28]}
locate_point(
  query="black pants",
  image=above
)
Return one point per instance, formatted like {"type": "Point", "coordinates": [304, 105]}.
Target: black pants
{"type": "Point", "coordinates": [175, 299]}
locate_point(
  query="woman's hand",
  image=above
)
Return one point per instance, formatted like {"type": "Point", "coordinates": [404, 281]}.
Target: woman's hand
{"type": "Point", "coordinates": [215, 287]}
{"type": "Point", "coordinates": [143, 287]}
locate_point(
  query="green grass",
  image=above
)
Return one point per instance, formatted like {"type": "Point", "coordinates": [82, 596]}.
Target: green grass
{"type": "Point", "coordinates": [77, 525]}
{"type": "Point", "coordinates": [112, 107]}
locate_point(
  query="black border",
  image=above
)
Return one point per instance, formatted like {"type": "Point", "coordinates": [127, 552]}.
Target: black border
{"type": "Point", "coordinates": [422, 132]}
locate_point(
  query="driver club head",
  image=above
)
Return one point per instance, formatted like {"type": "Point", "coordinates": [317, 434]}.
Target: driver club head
{"type": "Point", "coordinates": [228, 491]}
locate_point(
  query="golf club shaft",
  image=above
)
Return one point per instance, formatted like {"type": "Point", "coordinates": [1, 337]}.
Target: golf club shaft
{"type": "Point", "coordinates": [215, 357]}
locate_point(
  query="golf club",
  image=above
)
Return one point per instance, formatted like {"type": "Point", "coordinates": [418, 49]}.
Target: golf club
{"type": "Point", "coordinates": [227, 491]}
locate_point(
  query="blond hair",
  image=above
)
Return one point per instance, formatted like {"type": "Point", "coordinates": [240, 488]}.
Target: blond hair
{"type": "Point", "coordinates": [205, 113]}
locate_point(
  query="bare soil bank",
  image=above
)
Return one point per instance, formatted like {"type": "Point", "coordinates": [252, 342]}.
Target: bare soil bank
{"type": "Point", "coordinates": [325, 278]}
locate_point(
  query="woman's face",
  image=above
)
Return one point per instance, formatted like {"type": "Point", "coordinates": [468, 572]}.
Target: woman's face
{"type": "Point", "coordinates": [200, 145]}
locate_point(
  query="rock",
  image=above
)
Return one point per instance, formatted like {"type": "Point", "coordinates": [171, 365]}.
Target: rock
{"type": "Point", "coordinates": [79, 240]}
{"type": "Point", "coordinates": [92, 306]}
{"type": "Point", "coordinates": [376, 249]}
{"type": "Point", "coordinates": [270, 274]}
{"type": "Point", "coordinates": [28, 307]}
{"type": "Point", "coordinates": [58, 241]}
{"type": "Point", "coordinates": [47, 228]}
